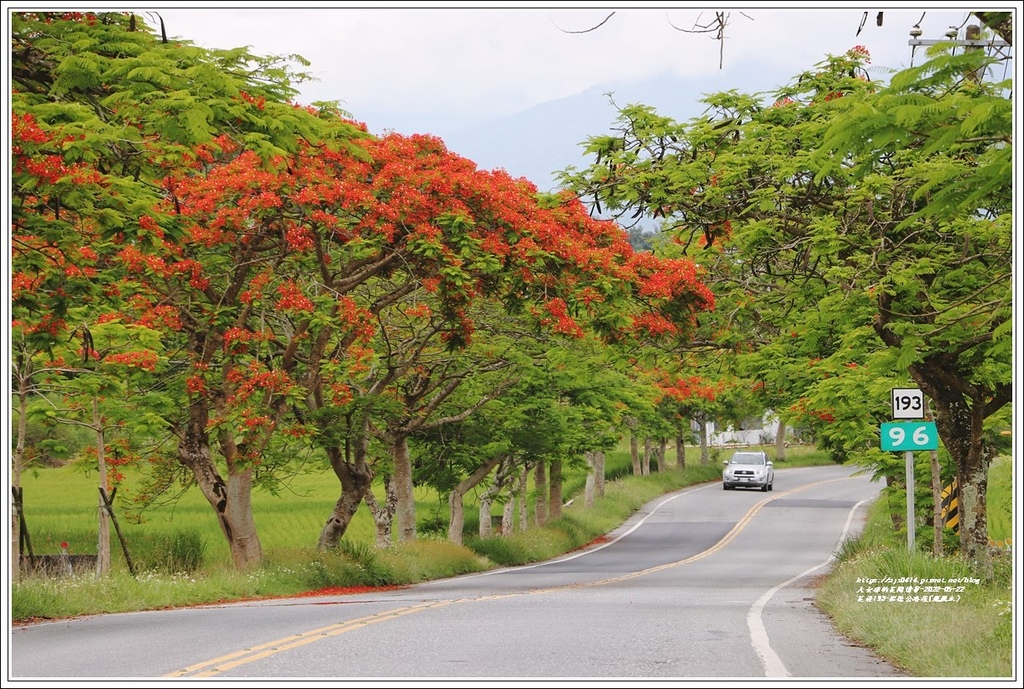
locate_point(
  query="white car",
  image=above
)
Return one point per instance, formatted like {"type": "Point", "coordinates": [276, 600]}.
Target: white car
{"type": "Point", "coordinates": [752, 469]}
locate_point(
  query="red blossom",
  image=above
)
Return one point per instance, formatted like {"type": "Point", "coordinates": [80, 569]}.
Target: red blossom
{"type": "Point", "coordinates": [195, 384]}
{"type": "Point", "coordinates": [292, 298]}
{"type": "Point", "coordinates": [142, 359]}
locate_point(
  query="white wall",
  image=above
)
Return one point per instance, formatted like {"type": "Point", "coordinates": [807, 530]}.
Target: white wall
{"type": "Point", "coordinates": [753, 436]}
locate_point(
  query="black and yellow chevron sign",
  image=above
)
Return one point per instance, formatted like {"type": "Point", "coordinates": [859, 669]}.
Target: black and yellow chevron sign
{"type": "Point", "coordinates": [951, 506]}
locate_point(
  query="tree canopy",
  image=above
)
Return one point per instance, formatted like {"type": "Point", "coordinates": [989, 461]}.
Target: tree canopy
{"type": "Point", "coordinates": [308, 285]}
{"type": "Point", "coordinates": [846, 225]}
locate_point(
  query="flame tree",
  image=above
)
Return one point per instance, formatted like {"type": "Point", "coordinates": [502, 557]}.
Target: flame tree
{"type": "Point", "coordinates": [262, 239]}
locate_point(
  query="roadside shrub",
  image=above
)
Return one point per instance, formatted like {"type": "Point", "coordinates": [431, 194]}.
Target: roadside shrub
{"type": "Point", "coordinates": [500, 550]}
{"type": "Point", "coordinates": [430, 558]}
{"type": "Point", "coordinates": [435, 525]}
{"type": "Point", "coordinates": [178, 552]}
{"type": "Point", "coordinates": [186, 552]}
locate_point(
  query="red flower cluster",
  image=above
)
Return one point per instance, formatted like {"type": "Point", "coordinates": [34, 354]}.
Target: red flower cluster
{"type": "Point", "coordinates": [141, 359]}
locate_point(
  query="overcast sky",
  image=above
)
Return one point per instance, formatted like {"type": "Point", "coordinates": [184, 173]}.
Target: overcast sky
{"type": "Point", "coordinates": [466, 66]}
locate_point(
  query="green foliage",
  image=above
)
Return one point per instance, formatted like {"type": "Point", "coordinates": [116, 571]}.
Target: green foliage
{"type": "Point", "coordinates": [48, 444]}
{"type": "Point", "coordinates": [857, 236]}
{"type": "Point", "coordinates": [434, 525]}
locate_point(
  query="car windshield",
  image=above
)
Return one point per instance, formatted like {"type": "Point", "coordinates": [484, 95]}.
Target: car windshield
{"type": "Point", "coordinates": [747, 458]}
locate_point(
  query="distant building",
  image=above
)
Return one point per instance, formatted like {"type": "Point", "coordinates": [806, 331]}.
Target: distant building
{"type": "Point", "coordinates": [750, 431]}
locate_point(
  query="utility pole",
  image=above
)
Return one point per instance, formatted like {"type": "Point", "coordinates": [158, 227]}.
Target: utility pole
{"type": "Point", "coordinates": [972, 40]}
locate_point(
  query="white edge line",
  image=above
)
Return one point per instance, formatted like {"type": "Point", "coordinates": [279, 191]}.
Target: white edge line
{"type": "Point", "coordinates": [594, 549]}
{"type": "Point", "coordinates": [773, 665]}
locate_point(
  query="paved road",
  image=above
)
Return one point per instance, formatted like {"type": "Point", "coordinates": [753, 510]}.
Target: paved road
{"type": "Point", "coordinates": [702, 583]}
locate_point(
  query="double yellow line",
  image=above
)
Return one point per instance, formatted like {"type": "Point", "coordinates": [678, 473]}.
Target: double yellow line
{"type": "Point", "coordinates": [249, 655]}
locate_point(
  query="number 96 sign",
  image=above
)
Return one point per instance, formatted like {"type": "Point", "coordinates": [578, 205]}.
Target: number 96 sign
{"type": "Point", "coordinates": [909, 436]}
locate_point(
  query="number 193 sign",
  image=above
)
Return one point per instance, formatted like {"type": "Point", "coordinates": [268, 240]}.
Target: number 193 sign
{"type": "Point", "coordinates": [907, 403]}
{"type": "Point", "coordinates": [920, 435]}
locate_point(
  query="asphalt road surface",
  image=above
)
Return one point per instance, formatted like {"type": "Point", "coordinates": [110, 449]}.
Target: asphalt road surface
{"type": "Point", "coordinates": [701, 583]}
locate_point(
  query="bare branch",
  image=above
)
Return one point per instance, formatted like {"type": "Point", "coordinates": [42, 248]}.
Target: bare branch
{"type": "Point", "coordinates": [598, 26]}
{"type": "Point", "coordinates": [718, 25]}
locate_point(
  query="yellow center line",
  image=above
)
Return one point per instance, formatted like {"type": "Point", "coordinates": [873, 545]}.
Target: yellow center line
{"type": "Point", "coordinates": [230, 661]}
{"type": "Point", "coordinates": [725, 540]}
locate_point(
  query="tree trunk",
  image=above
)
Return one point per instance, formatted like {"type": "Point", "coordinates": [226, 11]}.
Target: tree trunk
{"type": "Point", "coordinates": [456, 515]}
{"type": "Point", "coordinates": [17, 462]}
{"type": "Point", "coordinates": [634, 453]}
{"type": "Point", "coordinates": [405, 512]}
{"type": "Point", "coordinates": [524, 475]}
{"type": "Point", "coordinates": [103, 520]}
{"type": "Point", "coordinates": [705, 455]}
{"type": "Point", "coordinates": [555, 489]}
{"type": "Point", "coordinates": [232, 499]}
{"type": "Point", "coordinates": [780, 442]}
{"type": "Point", "coordinates": [599, 473]}
{"type": "Point", "coordinates": [246, 550]}
{"type": "Point", "coordinates": [484, 526]}
{"type": "Point", "coordinates": [355, 477]}
{"type": "Point", "coordinates": [489, 495]}
{"type": "Point", "coordinates": [937, 545]}
{"type": "Point", "coordinates": [508, 517]}
{"type": "Point", "coordinates": [540, 484]}
{"type": "Point", "coordinates": [645, 461]}
{"type": "Point", "coordinates": [590, 489]}
{"type": "Point", "coordinates": [960, 413]}
{"type": "Point", "coordinates": [383, 515]}
{"type": "Point", "coordinates": [457, 508]}
{"type": "Point", "coordinates": [681, 445]}
{"type": "Point", "coordinates": [973, 516]}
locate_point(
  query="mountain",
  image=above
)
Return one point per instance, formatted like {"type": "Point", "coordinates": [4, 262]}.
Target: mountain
{"type": "Point", "coordinates": [540, 141]}
{"type": "Point", "coordinates": [543, 140]}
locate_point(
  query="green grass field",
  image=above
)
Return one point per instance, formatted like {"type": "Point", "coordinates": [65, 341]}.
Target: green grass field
{"type": "Point", "coordinates": [61, 505]}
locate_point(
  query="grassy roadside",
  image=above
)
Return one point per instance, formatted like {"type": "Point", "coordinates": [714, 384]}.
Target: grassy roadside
{"type": "Point", "coordinates": [931, 616]}
{"type": "Point", "coordinates": [918, 637]}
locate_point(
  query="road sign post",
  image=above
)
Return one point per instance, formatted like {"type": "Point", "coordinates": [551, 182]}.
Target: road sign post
{"type": "Point", "coordinates": [911, 525]}
{"type": "Point", "coordinates": [909, 436]}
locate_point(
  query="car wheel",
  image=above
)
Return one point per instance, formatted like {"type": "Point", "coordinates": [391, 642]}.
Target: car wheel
{"type": "Point", "coordinates": [725, 486]}
{"type": "Point", "coordinates": [764, 488]}
{"type": "Point", "coordinates": [771, 486]}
